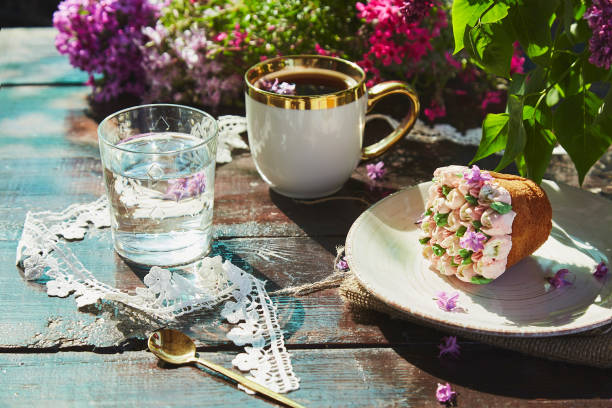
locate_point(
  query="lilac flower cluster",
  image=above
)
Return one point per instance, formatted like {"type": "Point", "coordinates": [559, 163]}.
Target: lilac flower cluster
{"type": "Point", "coordinates": [103, 37]}
{"type": "Point", "coordinates": [475, 178]}
{"type": "Point", "coordinates": [449, 347]}
{"type": "Point", "coordinates": [559, 281]}
{"type": "Point", "coordinates": [415, 10]}
{"type": "Point", "coordinates": [599, 17]}
{"type": "Point", "coordinates": [178, 69]}
{"type": "Point", "coordinates": [447, 301]}
{"type": "Point", "coordinates": [376, 171]}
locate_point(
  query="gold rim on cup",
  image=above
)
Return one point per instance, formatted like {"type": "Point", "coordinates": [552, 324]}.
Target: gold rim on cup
{"type": "Point", "coordinates": [313, 102]}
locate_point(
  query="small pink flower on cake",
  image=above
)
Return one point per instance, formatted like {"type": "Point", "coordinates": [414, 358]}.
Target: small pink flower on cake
{"type": "Point", "coordinates": [475, 178]}
{"type": "Point", "coordinates": [474, 241]}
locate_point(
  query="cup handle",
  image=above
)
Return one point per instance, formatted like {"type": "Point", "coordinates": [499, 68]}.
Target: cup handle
{"type": "Point", "coordinates": [375, 94]}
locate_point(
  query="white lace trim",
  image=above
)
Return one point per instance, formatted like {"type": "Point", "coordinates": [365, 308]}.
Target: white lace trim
{"type": "Point", "coordinates": [44, 256]}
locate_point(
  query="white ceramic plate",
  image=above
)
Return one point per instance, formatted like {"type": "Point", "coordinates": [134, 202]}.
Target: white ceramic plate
{"type": "Point", "coordinates": [382, 250]}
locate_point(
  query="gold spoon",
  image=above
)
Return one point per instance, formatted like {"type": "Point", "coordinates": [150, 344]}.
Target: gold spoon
{"type": "Point", "coordinates": [178, 348]}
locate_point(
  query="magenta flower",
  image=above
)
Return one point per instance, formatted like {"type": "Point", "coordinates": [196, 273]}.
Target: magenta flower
{"type": "Point", "coordinates": [444, 393]}
{"type": "Point", "coordinates": [601, 270]}
{"type": "Point", "coordinates": [435, 111]}
{"type": "Point", "coordinates": [376, 171]}
{"type": "Point", "coordinates": [491, 98]}
{"type": "Point", "coordinates": [599, 17]}
{"type": "Point", "coordinates": [449, 347]}
{"type": "Point", "coordinates": [473, 241]}
{"type": "Point", "coordinates": [342, 264]}
{"type": "Point", "coordinates": [476, 178]}
{"type": "Point", "coordinates": [558, 281]}
{"type": "Point", "coordinates": [447, 301]}
{"type": "Point", "coordinates": [415, 10]}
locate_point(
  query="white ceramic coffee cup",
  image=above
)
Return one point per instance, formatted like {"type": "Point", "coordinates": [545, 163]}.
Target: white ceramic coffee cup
{"type": "Point", "coordinates": [308, 146]}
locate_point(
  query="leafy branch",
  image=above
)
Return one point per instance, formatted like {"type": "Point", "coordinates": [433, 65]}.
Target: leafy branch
{"type": "Point", "coordinates": [563, 99]}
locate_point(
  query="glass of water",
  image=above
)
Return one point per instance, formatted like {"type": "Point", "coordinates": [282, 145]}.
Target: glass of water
{"type": "Point", "coordinates": [159, 169]}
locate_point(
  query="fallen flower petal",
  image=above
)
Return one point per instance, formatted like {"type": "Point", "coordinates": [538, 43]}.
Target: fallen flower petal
{"type": "Point", "coordinates": [449, 347]}
{"type": "Point", "coordinates": [601, 270]}
{"type": "Point", "coordinates": [447, 301]}
{"type": "Point", "coordinates": [558, 281]}
{"type": "Point", "coordinates": [342, 264]}
{"type": "Point", "coordinates": [376, 171]}
{"type": "Point", "coordinates": [444, 393]}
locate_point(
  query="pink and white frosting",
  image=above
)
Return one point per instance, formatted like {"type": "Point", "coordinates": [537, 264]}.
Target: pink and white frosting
{"type": "Point", "coordinates": [467, 226]}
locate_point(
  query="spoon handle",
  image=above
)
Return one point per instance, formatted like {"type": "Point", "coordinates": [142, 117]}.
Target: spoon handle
{"type": "Point", "coordinates": [252, 385]}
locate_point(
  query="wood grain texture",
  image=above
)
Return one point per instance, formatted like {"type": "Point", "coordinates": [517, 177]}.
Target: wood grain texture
{"type": "Point", "coordinates": [359, 377]}
{"type": "Point", "coordinates": [29, 56]}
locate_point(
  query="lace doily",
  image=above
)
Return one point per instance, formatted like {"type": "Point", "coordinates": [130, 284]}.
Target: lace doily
{"type": "Point", "coordinates": [44, 255]}
{"type": "Point", "coordinates": [230, 128]}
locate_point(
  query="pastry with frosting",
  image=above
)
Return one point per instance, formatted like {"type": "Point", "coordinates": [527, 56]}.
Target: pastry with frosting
{"type": "Point", "coordinates": [477, 223]}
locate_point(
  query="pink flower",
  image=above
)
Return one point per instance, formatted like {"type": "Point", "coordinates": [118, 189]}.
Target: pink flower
{"type": "Point", "coordinates": [444, 393]}
{"type": "Point", "coordinates": [475, 178]}
{"type": "Point", "coordinates": [434, 111]}
{"type": "Point", "coordinates": [518, 60]}
{"type": "Point", "coordinates": [447, 301]}
{"type": "Point", "coordinates": [491, 98]}
{"type": "Point", "coordinates": [449, 347]}
{"type": "Point", "coordinates": [376, 171]}
{"type": "Point", "coordinates": [473, 241]}
{"type": "Point", "coordinates": [451, 61]}
{"type": "Point", "coordinates": [558, 281]}
{"type": "Point", "coordinates": [220, 37]}
{"type": "Point", "coordinates": [601, 270]}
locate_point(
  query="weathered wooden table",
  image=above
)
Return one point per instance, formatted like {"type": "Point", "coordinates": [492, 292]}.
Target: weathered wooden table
{"type": "Point", "coordinates": [51, 354]}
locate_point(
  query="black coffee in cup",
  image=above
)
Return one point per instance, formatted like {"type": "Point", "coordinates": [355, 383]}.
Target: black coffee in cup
{"type": "Point", "coordinates": [310, 81]}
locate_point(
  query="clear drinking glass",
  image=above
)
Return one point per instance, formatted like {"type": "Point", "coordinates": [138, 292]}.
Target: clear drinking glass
{"type": "Point", "coordinates": [159, 169]}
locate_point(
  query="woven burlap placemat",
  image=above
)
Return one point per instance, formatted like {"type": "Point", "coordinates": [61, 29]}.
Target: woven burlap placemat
{"type": "Point", "coordinates": [592, 348]}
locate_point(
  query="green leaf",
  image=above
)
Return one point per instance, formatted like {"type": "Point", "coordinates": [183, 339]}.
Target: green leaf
{"type": "Point", "coordinates": [471, 199]}
{"type": "Point", "coordinates": [540, 144]}
{"type": "Point", "coordinates": [441, 219]}
{"type": "Point", "coordinates": [592, 73]}
{"type": "Point", "coordinates": [424, 240]}
{"type": "Point", "coordinates": [516, 132]}
{"type": "Point", "coordinates": [583, 125]}
{"type": "Point", "coordinates": [496, 13]}
{"type": "Point", "coordinates": [530, 19]}
{"type": "Point", "coordinates": [467, 261]}
{"type": "Point", "coordinates": [465, 253]}
{"type": "Point", "coordinates": [461, 231]}
{"type": "Point", "coordinates": [552, 97]}
{"type": "Point", "coordinates": [446, 190]}
{"type": "Point", "coordinates": [438, 250]}
{"type": "Point", "coordinates": [476, 224]}
{"type": "Point", "coordinates": [466, 13]}
{"type": "Point", "coordinates": [480, 280]}
{"type": "Point", "coordinates": [491, 47]}
{"type": "Point", "coordinates": [494, 135]}
{"type": "Point", "coordinates": [502, 208]}
{"type": "Point", "coordinates": [429, 211]}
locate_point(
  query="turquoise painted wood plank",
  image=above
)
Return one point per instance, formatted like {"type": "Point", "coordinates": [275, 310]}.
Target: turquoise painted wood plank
{"type": "Point", "coordinates": [360, 377]}
{"type": "Point", "coordinates": [29, 56]}
{"type": "Point", "coordinates": [41, 121]}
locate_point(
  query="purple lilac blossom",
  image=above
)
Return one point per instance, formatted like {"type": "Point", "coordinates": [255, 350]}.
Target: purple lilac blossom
{"type": "Point", "coordinates": [476, 178]}
{"type": "Point", "coordinates": [449, 347]}
{"type": "Point", "coordinates": [104, 37]}
{"type": "Point", "coordinates": [186, 187]}
{"type": "Point", "coordinates": [284, 88]}
{"type": "Point", "coordinates": [376, 171]}
{"type": "Point", "coordinates": [558, 281]}
{"type": "Point", "coordinates": [444, 393]}
{"type": "Point", "coordinates": [414, 11]}
{"type": "Point", "coordinates": [342, 264]}
{"type": "Point", "coordinates": [178, 70]}
{"type": "Point", "coordinates": [599, 17]}
{"type": "Point", "coordinates": [447, 301]}
{"type": "Point", "coordinates": [601, 270]}
{"type": "Point", "coordinates": [473, 240]}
